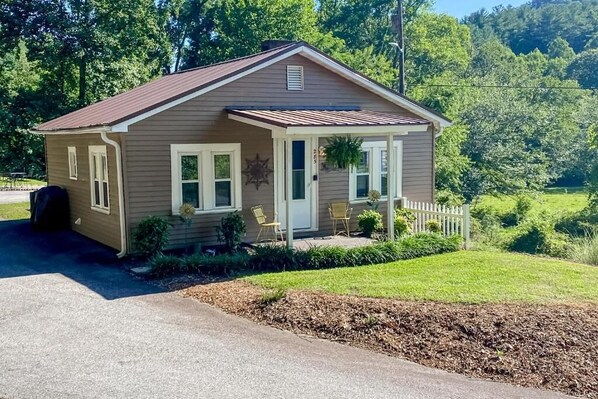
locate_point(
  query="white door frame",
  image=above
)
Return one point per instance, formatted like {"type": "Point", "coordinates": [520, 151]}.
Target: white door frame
{"type": "Point", "coordinates": [311, 145]}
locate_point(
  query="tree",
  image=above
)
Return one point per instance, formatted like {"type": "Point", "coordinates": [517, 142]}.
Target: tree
{"type": "Point", "coordinates": [583, 68]}
{"type": "Point", "coordinates": [436, 44]}
{"type": "Point", "coordinates": [20, 107]}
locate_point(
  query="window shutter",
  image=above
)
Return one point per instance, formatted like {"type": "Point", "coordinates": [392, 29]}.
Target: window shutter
{"type": "Point", "coordinates": [294, 77]}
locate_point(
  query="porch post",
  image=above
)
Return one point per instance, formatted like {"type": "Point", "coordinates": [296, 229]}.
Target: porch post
{"type": "Point", "coordinates": [289, 191]}
{"type": "Point", "coordinates": [391, 179]}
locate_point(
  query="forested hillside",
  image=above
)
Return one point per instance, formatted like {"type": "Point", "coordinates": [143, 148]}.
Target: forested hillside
{"type": "Point", "coordinates": [520, 83]}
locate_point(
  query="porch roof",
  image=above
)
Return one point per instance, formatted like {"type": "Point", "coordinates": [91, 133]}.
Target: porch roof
{"type": "Point", "coordinates": [312, 117]}
{"type": "Point", "coordinates": [322, 121]}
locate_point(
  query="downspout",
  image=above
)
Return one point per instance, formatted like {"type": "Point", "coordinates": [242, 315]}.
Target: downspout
{"type": "Point", "coordinates": [121, 195]}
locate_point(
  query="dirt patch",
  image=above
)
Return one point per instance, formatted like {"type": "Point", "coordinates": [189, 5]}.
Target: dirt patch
{"type": "Point", "coordinates": [551, 347]}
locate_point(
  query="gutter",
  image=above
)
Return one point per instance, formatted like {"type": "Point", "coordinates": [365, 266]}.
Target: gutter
{"type": "Point", "coordinates": [121, 196]}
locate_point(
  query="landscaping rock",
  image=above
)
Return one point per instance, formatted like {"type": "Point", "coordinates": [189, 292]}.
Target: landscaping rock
{"type": "Point", "coordinates": [141, 270]}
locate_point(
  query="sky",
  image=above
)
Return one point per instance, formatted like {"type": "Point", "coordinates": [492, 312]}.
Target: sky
{"type": "Point", "coordinates": [461, 8]}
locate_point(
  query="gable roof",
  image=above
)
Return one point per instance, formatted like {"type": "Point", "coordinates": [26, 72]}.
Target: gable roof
{"type": "Point", "coordinates": [118, 112]}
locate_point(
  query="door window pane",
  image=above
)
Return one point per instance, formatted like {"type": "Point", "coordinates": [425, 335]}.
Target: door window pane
{"type": "Point", "coordinates": [298, 184]}
{"type": "Point", "coordinates": [223, 193]}
{"type": "Point", "coordinates": [298, 170]}
{"type": "Point", "coordinates": [383, 173]}
{"type": "Point", "coordinates": [189, 167]}
{"type": "Point", "coordinates": [222, 166]}
{"type": "Point", "coordinates": [191, 194]}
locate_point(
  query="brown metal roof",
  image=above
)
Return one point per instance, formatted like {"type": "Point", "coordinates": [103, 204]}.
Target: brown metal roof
{"type": "Point", "coordinates": [305, 117]}
{"type": "Point", "coordinates": [151, 95]}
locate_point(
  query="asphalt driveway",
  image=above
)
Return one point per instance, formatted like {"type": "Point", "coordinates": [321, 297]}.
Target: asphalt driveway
{"type": "Point", "coordinates": [73, 324]}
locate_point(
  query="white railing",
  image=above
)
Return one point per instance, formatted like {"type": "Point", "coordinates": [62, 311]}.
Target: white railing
{"type": "Point", "coordinates": [452, 219]}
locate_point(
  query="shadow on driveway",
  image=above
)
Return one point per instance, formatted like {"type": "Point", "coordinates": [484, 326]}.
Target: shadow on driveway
{"type": "Point", "coordinates": [25, 252]}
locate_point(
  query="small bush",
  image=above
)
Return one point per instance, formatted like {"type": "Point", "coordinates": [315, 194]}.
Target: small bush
{"type": "Point", "coordinates": [433, 226]}
{"type": "Point", "coordinates": [370, 221]}
{"type": "Point", "coordinates": [520, 211]}
{"type": "Point", "coordinates": [579, 224]}
{"type": "Point", "coordinates": [151, 236]}
{"type": "Point", "coordinates": [272, 296]}
{"type": "Point", "coordinates": [538, 237]}
{"type": "Point", "coordinates": [425, 244]}
{"type": "Point", "coordinates": [165, 265]}
{"type": "Point", "coordinates": [449, 198]}
{"type": "Point", "coordinates": [273, 257]}
{"type": "Point", "coordinates": [404, 219]}
{"type": "Point", "coordinates": [586, 250]}
{"type": "Point", "coordinates": [231, 229]}
{"type": "Point", "coordinates": [225, 263]}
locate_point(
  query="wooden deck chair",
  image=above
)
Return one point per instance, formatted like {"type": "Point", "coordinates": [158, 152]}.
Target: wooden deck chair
{"type": "Point", "coordinates": [262, 220]}
{"type": "Point", "coordinates": [340, 212]}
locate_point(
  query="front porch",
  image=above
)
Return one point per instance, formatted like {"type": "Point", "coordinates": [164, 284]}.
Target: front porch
{"type": "Point", "coordinates": [305, 242]}
{"type": "Point", "coordinates": [297, 135]}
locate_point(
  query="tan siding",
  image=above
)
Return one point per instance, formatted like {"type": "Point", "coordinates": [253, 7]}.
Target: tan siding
{"type": "Point", "coordinates": [203, 120]}
{"type": "Point", "coordinates": [98, 226]}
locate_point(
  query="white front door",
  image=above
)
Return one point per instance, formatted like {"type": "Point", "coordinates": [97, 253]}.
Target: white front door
{"type": "Point", "coordinates": [304, 164]}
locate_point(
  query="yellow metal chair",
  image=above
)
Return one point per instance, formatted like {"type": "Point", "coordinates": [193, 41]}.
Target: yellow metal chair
{"type": "Point", "coordinates": [340, 212]}
{"type": "Point", "coordinates": [262, 220]}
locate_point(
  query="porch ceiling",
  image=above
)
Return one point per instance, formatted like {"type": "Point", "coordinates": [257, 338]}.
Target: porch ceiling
{"type": "Point", "coordinates": [306, 121]}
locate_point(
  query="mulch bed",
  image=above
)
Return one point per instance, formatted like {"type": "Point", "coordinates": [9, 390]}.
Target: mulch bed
{"type": "Point", "coordinates": [545, 346]}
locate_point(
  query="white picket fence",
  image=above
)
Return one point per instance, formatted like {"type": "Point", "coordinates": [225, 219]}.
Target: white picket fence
{"type": "Point", "coordinates": [452, 219]}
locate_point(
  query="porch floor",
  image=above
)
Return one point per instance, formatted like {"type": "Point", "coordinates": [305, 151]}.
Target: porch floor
{"type": "Point", "coordinates": [327, 241]}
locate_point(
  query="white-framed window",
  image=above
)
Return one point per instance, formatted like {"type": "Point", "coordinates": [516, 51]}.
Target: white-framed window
{"type": "Point", "coordinates": [72, 155]}
{"type": "Point", "coordinates": [372, 172]}
{"type": "Point", "coordinates": [208, 176]}
{"type": "Point", "coordinates": [294, 77]}
{"type": "Point", "coordinates": [98, 177]}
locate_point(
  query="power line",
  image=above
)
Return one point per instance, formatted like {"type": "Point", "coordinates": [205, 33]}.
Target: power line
{"type": "Point", "coordinates": [511, 87]}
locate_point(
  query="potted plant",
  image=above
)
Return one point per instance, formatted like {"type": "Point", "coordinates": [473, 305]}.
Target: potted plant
{"type": "Point", "coordinates": [343, 151]}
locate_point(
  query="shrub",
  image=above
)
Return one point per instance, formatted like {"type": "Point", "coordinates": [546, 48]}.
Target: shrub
{"type": "Point", "coordinates": [231, 229]}
{"type": "Point", "coordinates": [425, 244]}
{"type": "Point", "coordinates": [151, 236]}
{"type": "Point", "coordinates": [538, 237]}
{"type": "Point", "coordinates": [433, 226]}
{"type": "Point", "coordinates": [449, 198]}
{"type": "Point", "coordinates": [165, 265]}
{"type": "Point", "coordinates": [404, 219]}
{"type": "Point", "coordinates": [225, 263]}
{"type": "Point", "coordinates": [579, 224]}
{"type": "Point", "coordinates": [193, 263]}
{"type": "Point", "coordinates": [520, 211]}
{"type": "Point", "coordinates": [273, 257]}
{"type": "Point", "coordinates": [586, 250]}
{"type": "Point", "coordinates": [324, 257]}
{"type": "Point", "coordinates": [370, 221]}
{"type": "Point", "coordinates": [272, 296]}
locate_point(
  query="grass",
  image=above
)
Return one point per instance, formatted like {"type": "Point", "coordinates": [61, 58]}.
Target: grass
{"type": "Point", "coordinates": [14, 211]}
{"type": "Point", "coordinates": [460, 277]}
{"type": "Point", "coordinates": [551, 200]}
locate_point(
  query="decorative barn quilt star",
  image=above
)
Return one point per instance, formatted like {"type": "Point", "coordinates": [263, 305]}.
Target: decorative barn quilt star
{"type": "Point", "coordinates": [257, 171]}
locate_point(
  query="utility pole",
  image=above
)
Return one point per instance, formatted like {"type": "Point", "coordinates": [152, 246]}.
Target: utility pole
{"type": "Point", "coordinates": [397, 27]}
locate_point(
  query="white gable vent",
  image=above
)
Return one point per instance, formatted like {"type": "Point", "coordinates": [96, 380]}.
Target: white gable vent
{"type": "Point", "coordinates": [294, 77]}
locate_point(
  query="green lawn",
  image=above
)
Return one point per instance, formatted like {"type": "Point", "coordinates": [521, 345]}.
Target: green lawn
{"type": "Point", "coordinates": [14, 211]}
{"type": "Point", "coordinates": [466, 277]}
{"type": "Point", "coordinates": [552, 200]}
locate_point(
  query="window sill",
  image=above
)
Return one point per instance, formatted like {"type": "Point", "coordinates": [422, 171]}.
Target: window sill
{"type": "Point", "coordinates": [73, 178]}
{"type": "Point", "coordinates": [209, 211]}
{"type": "Point", "coordinates": [101, 210]}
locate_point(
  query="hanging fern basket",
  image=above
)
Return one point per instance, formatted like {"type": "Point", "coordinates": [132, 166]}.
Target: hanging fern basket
{"type": "Point", "coordinates": [343, 151]}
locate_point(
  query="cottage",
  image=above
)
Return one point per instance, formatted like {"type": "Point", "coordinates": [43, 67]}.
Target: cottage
{"type": "Point", "coordinates": [237, 134]}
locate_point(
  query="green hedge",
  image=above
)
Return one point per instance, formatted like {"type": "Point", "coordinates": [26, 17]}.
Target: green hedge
{"type": "Point", "coordinates": [278, 258]}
